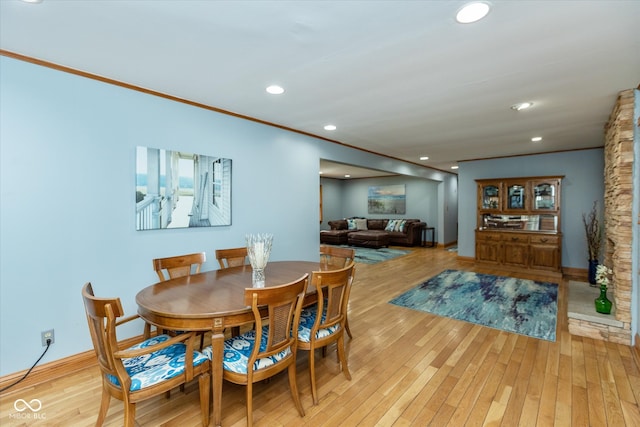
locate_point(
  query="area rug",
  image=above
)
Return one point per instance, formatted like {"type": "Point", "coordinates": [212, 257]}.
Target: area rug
{"type": "Point", "coordinates": [373, 256]}
{"type": "Point", "coordinates": [525, 307]}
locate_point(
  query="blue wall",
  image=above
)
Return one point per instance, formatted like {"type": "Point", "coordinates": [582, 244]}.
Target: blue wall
{"type": "Point", "coordinates": [67, 180]}
{"type": "Point", "coordinates": [583, 183]}
{"type": "Point", "coordinates": [331, 200]}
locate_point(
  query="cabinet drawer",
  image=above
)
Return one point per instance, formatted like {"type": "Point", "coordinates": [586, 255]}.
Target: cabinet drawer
{"type": "Point", "coordinates": [515, 238]}
{"type": "Point", "coordinates": [545, 239]}
{"type": "Point", "coordinates": [495, 237]}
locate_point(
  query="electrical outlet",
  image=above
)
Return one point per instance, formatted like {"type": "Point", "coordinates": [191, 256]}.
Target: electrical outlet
{"type": "Point", "coordinates": [47, 335]}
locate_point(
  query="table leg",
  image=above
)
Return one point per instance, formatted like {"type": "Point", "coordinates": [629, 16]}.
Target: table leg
{"type": "Point", "coordinates": [217, 349]}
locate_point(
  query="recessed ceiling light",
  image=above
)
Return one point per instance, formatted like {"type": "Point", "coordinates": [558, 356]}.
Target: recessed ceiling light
{"type": "Point", "coordinates": [472, 12]}
{"type": "Point", "coordinates": [347, 176]}
{"type": "Point", "coordinates": [330, 127]}
{"type": "Point", "coordinates": [536, 139]}
{"type": "Point", "coordinates": [275, 90]}
{"type": "Point", "coordinates": [454, 167]}
{"type": "Point", "coordinates": [32, 1]}
{"type": "Point", "coordinates": [424, 158]}
{"type": "Point", "coordinates": [522, 106]}
{"type": "Point", "coordinates": [321, 172]}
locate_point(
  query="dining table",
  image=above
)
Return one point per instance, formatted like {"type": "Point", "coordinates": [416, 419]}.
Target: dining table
{"type": "Point", "coordinates": [213, 301]}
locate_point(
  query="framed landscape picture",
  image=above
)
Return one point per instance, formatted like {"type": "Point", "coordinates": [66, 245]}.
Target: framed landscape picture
{"type": "Point", "coordinates": [176, 189]}
{"type": "Point", "coordinates": [387, 199]}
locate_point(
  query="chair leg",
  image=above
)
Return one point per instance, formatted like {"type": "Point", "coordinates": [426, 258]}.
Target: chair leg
{"type": "Point", "coordinates": [104, 406]}
{"type": "Point", "coordinates": [346, 327]}
{"type": "Point", "coordinates": [342, 356]}
{"type": "Point", "coordinates": [312, 375]}
{"type": "Point", "coordinates": [129, 414]}
{"type": "Point", "coordinates": [204, 381]}
{"type": "Point", "coordinates": [249, 404]}
{"type": "Point", "coordinates": [293, 386]}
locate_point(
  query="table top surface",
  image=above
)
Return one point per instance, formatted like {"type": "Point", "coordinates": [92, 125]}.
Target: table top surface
{"type": "Point", "coordinates": [215, 293]}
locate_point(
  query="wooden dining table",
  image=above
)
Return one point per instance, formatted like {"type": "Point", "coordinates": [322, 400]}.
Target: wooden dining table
{"type": "Point", "coordinates": [213, 301]}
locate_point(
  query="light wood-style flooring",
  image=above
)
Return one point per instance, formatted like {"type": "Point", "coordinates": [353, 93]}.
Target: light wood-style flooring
{"type": "Point", "coordinates": [409, 369]}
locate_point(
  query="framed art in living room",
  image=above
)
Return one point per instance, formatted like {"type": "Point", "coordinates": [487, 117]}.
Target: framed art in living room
{"type": "Point", "coordinates": [387, 199]}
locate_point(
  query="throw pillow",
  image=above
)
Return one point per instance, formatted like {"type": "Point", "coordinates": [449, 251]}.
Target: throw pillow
{"type": "Point", "coordinates": [391, 225]}
{"type": "Point", "coordinates": [351, 224]}
{"type": "Point", "coordinates": [361, 224]}
{"type": "Point", "coordinates": [400, 225]}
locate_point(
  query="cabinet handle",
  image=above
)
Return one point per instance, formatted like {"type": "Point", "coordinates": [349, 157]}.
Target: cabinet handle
{"type": "Point", "coordinates": [544, 240]}
{"type": "Point", "coordinates": [515, 239]}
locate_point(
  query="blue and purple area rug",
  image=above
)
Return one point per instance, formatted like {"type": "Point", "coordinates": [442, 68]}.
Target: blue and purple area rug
{"type": "Point", "coordinates": [525, 307]}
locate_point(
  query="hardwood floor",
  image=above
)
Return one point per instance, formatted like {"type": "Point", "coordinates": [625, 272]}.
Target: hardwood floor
{"type": "Point", "coordinates": [408, 369]}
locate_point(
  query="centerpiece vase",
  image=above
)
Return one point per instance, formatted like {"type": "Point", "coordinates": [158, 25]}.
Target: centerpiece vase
{"type": "Point", "coordinates": [258, 251]}
{"type": "Point", "coordinates": [603, 305]}
{"type": "Point", "coordinates": [593, 265]}
{"type": "Point", "coordinates": [257, 277]}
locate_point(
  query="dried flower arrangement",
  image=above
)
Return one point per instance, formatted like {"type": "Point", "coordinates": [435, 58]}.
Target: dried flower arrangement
{"type": "Point", "coordinates": [593, 232]}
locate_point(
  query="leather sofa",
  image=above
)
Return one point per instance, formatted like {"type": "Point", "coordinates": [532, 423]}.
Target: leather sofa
{"type": "Point", "coordinates": [374, 232]}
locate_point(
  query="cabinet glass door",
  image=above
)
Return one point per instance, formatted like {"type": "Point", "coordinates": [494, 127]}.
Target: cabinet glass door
{"type": "Point", "coordinates": [516, 197]}
{"type": "Point", "coordinates": [544, 196]}
{"type": "Point", "coordinates": [490, 197]}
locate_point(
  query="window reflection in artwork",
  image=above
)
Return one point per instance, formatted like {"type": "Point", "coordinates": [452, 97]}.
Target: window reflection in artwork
{"type": "Point", "coordinates": [217, 182]}
{"type": "Point", "coordinates": [175, 189]}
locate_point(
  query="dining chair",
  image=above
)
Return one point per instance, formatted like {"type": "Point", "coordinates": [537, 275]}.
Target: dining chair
{"type": "Point", "coordinates": [233, 257]}
{"type": "Point", "coordinates": [179, 266]}
{"type": "Point", "coordinates": [324, 322]}
{"type": "Point", "coordinates": [151, 367]}
{"type": "Point", "coordinates": [337, 257]}
{"type": "Point", "coordinates": [245, 362]}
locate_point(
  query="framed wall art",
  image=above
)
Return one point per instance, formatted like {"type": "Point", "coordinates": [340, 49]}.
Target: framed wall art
{"type": "Point", "coordinates": [387, 199]}
{"type": "Point", "coordinates": [176, 189]}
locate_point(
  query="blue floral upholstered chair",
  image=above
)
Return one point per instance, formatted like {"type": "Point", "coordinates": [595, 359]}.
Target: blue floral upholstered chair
{"type": "Point", "coordinates": [151, 367]}
{"type": "Point", "coordinates": [317, 331]}
{"type": "Point", "coordinates": [245, 362]}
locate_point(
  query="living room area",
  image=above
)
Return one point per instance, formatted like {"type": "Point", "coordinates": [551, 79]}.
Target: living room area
{"type": "Point", "coordinates": [349, 217]}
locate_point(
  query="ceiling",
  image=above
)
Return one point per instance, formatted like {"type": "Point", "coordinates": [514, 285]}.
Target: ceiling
{"type": "Point", "coordinates": [398, 78]}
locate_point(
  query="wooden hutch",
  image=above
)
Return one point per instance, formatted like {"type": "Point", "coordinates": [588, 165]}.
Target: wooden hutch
{"type": "Point", "coordinates": [518, 224]}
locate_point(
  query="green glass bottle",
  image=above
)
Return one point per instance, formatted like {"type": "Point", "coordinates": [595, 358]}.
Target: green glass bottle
{"type": "Point", "coordinates": [603, 305]}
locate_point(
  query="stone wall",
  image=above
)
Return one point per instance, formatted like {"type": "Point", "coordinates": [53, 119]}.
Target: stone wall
{"type": "Point", "coordinates": [618, 232]}
{"type": "Point", "coordinates": [618, 200]}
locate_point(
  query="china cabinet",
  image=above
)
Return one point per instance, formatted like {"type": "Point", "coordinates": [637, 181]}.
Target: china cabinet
{"type": "Point", "coordinates": [518, 224]}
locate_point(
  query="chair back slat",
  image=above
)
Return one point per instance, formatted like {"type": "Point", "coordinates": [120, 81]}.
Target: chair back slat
{"type": "Point", "coordinates": [233, 257]}
{"type": "Point", "coordinates": [179, 266]}
{"type": "Point", "coordinates": [336, 257]}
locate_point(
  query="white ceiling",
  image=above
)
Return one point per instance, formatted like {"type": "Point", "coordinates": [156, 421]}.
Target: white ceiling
{"type": "Point", "coordinates": [399, 78]}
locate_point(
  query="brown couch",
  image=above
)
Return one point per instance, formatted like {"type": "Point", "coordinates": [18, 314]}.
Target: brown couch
{"type": "Point", "coordinates": [373, 232]}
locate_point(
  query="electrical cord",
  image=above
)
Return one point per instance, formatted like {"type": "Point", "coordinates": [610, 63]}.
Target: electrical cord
{"type": "Point", "coordinates": [30, 369]}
